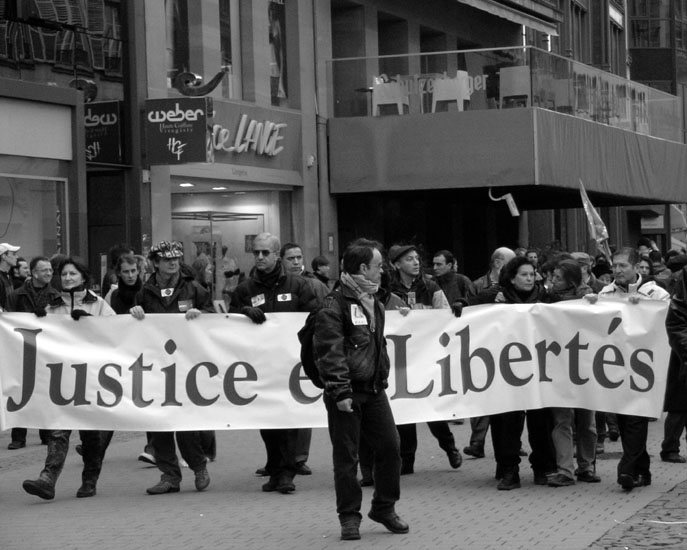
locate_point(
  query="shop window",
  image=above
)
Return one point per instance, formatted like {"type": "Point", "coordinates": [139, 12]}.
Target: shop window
{"type": "Point", "coordinates": [279, 89]}
{"type": "Point", "coordinates": [33, 215]}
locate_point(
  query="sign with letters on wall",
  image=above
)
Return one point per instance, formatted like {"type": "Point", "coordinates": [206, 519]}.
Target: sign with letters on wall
{"type": "Point", "coordinates": [176, 130]}
{"type": "Point", "coordinates": [103, 132]}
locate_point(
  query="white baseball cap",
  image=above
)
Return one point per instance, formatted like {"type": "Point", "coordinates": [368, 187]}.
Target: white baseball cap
{"type": "Point", "coordinates": [7, 247]}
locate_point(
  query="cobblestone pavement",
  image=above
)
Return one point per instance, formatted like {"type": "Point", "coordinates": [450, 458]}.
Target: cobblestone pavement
{"type": "Point", "coordinates": [445, 508]}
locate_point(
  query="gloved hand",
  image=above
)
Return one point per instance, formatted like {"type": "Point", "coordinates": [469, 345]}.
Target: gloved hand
{"type": "Point", "coordinates": [457, 308]}
{"type": "Point", "coordinates": [78, 313]}
{"type": "Point", "coordinates": [40, 312]}
{"type": "Point", "coordinates": [255, 314]}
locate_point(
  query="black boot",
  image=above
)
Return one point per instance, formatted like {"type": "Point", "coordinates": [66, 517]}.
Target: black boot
{"type": "Point", "coordinates": [510, 480]}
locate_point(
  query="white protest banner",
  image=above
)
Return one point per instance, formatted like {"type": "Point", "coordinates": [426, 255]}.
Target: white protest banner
{"type": "Point", "coordinates": [224, 372]}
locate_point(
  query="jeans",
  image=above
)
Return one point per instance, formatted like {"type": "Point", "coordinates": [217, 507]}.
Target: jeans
{"type": "Point", "coordinates": [562, 435]}
{"type": "Point", "coordinates": [633, 433]}
{"type": "Point", "coordinates": [165, 453]}
{"type": "Point", "coordinates": [672, 431]}
{"type": "Point", "coordinates": [372, 420]}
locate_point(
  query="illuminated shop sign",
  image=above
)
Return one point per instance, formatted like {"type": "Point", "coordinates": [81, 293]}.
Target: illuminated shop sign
{"type": "Point", "coordinates": [176, 130]}
{"type": "Point", "coordinates": [103, 132]}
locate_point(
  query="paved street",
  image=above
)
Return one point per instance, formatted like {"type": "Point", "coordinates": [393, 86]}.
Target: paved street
{"type": "Point", "coordinates": [445, 508]}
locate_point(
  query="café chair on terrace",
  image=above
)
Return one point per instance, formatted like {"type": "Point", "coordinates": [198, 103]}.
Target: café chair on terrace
{"type": "Point", "coordinates": [451, 89]}
{"type": "Point", "coordinates": [388, 93]}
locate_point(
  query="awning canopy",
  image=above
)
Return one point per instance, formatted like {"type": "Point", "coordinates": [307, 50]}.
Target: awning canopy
{"type": "Point", "coordinates": [521, 18]}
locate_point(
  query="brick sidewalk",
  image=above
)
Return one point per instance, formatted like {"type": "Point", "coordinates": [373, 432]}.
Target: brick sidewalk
{"type": "Point", "coordinates": [445, 508]}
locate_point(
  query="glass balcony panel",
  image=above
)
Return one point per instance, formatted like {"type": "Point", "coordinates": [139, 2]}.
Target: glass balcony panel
{"type": "Point", "coordinates": [506, 78]}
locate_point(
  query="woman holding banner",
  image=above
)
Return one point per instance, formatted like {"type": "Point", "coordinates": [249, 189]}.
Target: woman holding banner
{"type": "Point", "coordinates": [518, 286]}
{"type": "Point", "coordinates": [78, 301]}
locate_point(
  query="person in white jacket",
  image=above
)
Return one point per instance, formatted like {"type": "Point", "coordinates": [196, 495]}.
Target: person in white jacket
{"type": "Point", "coordinates": [77, 301]}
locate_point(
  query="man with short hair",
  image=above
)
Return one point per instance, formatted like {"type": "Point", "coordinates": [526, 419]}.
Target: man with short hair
{"type": "Point", "coordinates": [8, 259]}
{"type": "Point", "coordinates": [272, 288]}
{"type": "Point", "coordinates": [33, 297]}
{"type": "Point", "coordinates": [586, 263]}
{"type": "Point", "coordinates": [351, 356]}
{"type": "Point", "coordinates": [456, 286]}
{"type": "Point", "coordinates": [419, 292]}
{"type": "Point", "coordinates": [291, 255]}
{"type": "Point", "coordinates": [320, 268]}
{"type": "Point", "coordinates": [633, 468]}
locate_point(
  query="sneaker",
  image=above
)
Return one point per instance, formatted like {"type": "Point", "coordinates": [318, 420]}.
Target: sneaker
{"type": "Point", "coordinates": [147, 458]}
{"type": "Point", "coordinates": [600, 448]}
{"type": "Point", "coordinates": [613, 435]}
{"type": "Point", "coordinates": [350, 530]}
{"type": "Point", "coordinates": [391, 521]}
{"type": "Point", "coordinates": [454, 458]}
{"type": "Point", "coordinates": [202, 479]}
{"type": "Point", "coordinates": [588, 477]}
{"type": "Point", "coordinates": [39, 488]}
{"type": "Point", "coordinates": [560, 480]}
{"type": "Point", "coordinates": [87, 489]}
{"type": "Point", "coordinates": [14, 445]}
{"type": "Point", "coordinates": [163, 487]}
{"type": "Point", "coordinates": [476, 452]}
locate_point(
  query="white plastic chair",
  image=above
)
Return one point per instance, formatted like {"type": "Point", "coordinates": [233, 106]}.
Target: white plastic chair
{"type": "Point", "coordinates": [388, 93]}
{"type": "Point", "coordinates": [451, 89]}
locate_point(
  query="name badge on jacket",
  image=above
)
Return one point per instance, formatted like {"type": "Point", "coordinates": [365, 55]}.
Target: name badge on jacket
{"type": "Point", "coordinates": [257, 300]}
{"type": "Point", "coordinates": [357, 315]}
{"type": "Point", "coordinates": [286, 297]}
{"type": "Point", "coordinates": [166, 292]}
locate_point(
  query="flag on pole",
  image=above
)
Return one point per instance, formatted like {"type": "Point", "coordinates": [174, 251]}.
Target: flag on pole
{"type": "Point", "coordinates": [597, 228]}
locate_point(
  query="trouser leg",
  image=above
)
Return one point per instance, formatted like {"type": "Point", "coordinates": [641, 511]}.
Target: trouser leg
{"type": "Point", "coordinates": [191, 449]}
{"type": "Point", "coordinates": [479, 426]}
{"type": "Point", "coordinates": [165, 454]}
{"type": "Point", "coordinates": [443, 434]}
{"type": "Point", "coordinates": [633, 434]}
{"type": "Point", "coordinates": [58, 446]}
{"type": "Point", "coordinates": [408, 437]}
{"type": "Point", "coordinates": [19, 434]}
{"type": "Point", "coordinates": [562, 438]}
{"type": "Point", "coordinates": [344, 432]}
{"type": "Point", "coordinates": [672, 431]}
{"type": "Point", "coordinates": [585, 422]}
{"type": "Point", "coordinates": [303, 439]}
{"type": "Point", "coordinates": [92, 453]}
{"type": "Point", "coordinates": [539, 427]}
{"type": "Point", "coordinates": [506, 434]}
{"type": "Point", "coordinates": [378, 429]}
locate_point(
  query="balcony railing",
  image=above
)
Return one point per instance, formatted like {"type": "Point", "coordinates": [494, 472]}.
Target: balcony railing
{"type": "Point", "coordinates": [499, 79]}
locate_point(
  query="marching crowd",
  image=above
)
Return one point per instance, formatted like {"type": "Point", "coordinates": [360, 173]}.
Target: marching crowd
{"type": "Point", "coordinates": [352, 361]}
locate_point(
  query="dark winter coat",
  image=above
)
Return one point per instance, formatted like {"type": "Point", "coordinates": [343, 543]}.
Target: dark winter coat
{"type": "Point", "coordinates": [676, 327]}
{"type": "Point", "coordinates": [350, 357]}
{"type": "Point", "coordinates": [187, 291]}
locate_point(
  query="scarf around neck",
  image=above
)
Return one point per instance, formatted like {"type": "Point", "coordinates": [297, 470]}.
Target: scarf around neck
{"type": "Point", "coordinates": [364, 290]}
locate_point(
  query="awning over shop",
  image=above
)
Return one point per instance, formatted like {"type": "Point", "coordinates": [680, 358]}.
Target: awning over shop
{"type": "Point", "coordinates": [540, 154]}
{"type": "Point", "coordinates": [521, 18]}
